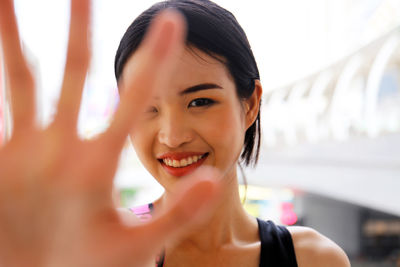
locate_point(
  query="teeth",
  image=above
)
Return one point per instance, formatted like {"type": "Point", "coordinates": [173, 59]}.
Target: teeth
{"type": "Point", "coordinates": [183, 162]}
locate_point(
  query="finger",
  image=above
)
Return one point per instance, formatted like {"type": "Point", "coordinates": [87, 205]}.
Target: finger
{"type": "Point", "coordinates": [194, 205]}
{"type": "Point", "coordinates": [77, 63]}
{"type": "Point", "coordinates": [18, 76]}
{"type": "Point", "coordinates": [146, 70]}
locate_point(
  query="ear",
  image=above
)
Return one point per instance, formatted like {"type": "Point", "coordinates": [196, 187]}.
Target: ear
{"type": "Point", "coordinates": [252, 104]}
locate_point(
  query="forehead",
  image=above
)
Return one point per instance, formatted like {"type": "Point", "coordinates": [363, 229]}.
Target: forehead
{"type": "Point", "coordinates": [193, 67]}
{"type": "Point", "coordinates": [196, 66]}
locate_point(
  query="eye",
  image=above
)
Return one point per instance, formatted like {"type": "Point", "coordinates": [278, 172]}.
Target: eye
{"type": "Point", "coordinates": [201, 102]}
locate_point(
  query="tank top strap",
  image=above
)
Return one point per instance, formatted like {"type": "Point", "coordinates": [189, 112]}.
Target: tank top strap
{"type": "Point", "coordinates": [144, 212]}
{"type": "Point", "coordinates": [276, 245]}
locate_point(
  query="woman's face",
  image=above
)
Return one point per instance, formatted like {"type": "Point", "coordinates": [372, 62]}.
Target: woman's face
{"type": "Point", "coordinates": [196, 120]}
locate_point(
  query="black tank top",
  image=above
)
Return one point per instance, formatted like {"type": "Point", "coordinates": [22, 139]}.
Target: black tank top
{"type": "Point", "coordinates": [276, 245]}
{"type": "Point", "coordinates": [277, 248]}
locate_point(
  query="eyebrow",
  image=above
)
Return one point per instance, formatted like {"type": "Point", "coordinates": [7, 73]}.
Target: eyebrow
{"type": "Point", "coordinates": [199, 87]}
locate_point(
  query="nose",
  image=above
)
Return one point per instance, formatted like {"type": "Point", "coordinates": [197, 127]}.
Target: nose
{"type": "Point", "coordinates": [175, 130]}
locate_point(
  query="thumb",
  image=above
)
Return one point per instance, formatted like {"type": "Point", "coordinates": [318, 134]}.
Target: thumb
{"type": "Point", "coordinates": [198, 196]}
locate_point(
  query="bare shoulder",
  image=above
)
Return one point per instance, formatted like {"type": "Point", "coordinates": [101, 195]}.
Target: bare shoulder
{"type": "Point", "coordinates": [314, 249]}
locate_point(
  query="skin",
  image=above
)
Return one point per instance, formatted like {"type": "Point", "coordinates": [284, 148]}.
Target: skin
{"type": "Point", "coordinates": [56, 206]}
{"type": "Point", "coordinates": [177, 122]}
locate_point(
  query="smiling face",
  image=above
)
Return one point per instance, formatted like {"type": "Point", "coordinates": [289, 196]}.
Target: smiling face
{"type": "Point", "coordinates": [196, 120]}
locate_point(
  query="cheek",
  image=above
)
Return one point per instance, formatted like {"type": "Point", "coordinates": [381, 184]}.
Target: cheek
{"type": "Point", "coordinates": [225, 131]}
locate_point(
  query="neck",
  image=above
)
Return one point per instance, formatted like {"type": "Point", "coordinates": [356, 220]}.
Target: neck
{"type": "Point", "coordinates": [229, 225]}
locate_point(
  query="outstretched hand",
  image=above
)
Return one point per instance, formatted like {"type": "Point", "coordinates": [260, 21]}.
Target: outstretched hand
{"type": "Point", "coordinates": [56, 205]}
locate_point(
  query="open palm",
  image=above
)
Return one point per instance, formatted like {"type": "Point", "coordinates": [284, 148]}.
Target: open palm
{"type": "Point", "coordinates": [56, 207]}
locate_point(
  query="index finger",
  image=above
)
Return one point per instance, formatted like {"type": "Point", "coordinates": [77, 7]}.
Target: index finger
{"type": "Point", "coordinates": [152, 65]}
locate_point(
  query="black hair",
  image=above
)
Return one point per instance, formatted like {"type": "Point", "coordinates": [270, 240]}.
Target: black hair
{"type": "Point", "coordinates": [215, 31]}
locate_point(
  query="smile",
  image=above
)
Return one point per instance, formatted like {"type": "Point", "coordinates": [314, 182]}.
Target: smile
{"type": "Point", "coordinates": [183, 163]}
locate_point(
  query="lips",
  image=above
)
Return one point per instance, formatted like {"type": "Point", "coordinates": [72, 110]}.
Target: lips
{"type": "Point", "coordinates": [183, 163]}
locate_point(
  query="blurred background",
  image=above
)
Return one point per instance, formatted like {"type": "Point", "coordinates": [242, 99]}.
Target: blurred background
{"type": "Point", "coordinates": [330, 69]}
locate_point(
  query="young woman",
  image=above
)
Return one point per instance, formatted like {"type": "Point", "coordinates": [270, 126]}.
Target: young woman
{"type": "Point", "coordinates": [208, 114]}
